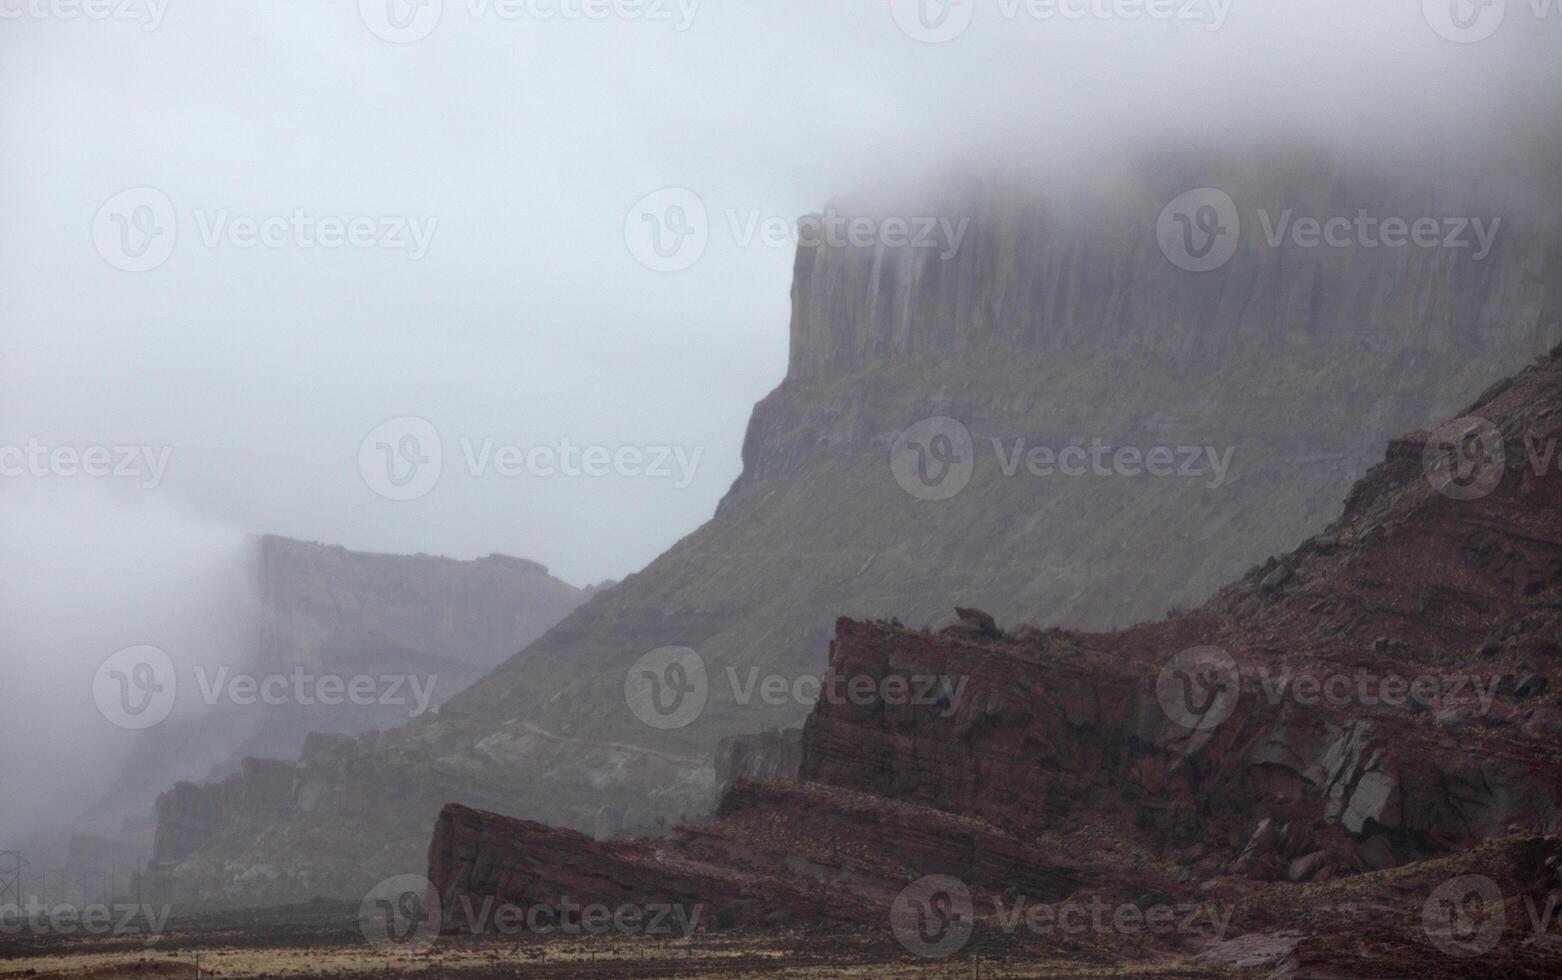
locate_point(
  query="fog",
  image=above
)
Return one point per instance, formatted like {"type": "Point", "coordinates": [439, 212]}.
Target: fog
{"type": "Point", "coordinates": [517, 316]}
{"type": "Point", "coordinates": [90, 571]}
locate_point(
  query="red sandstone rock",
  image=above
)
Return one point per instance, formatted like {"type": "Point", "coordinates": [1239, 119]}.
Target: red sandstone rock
{"type": "Point", "coordinates": [1374, 800]}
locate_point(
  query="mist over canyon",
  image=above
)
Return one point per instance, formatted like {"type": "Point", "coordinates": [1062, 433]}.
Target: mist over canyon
{"type": "Point", "coordinates": [835, 474]}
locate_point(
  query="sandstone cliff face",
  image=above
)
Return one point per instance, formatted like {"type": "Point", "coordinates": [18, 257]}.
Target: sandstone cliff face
{"type": "Point", "coordinates": [325, 605]}
{"type": "Point", "coordinates": [1056, 272]}
{"type": "Point", "coordinates": [329, 610]}
{"type": "Point", "coordinates": [1058, 322]}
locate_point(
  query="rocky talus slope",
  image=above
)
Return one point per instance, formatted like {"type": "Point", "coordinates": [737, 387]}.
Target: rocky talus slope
{"type": "Point", "coordinates": [1058, 322]}
{"type": "Point", "coordinates": [1346, 764]}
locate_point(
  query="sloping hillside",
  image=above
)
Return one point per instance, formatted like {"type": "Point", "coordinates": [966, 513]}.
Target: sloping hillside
{"type": "Point", "coordinates": [1345, 765]}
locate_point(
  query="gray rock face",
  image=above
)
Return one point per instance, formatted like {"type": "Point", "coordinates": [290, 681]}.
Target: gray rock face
{"type": "Point", "coordinates": [328, 610]}
{"type": "Point", "coordinates": [1059, 272]}
{"type": "Point", "coordinates": [772, 755]}
{"type": "Point", "coordinates": [1058, 323]}
{"type": "Point", "coordinates": [325, 606]}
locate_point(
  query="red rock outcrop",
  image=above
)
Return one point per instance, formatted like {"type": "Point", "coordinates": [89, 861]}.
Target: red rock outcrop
{"type": "Point", "coordinates": [777, 853]}
{"type": "Point", "coordinates": [1320, 761]}
{"type": "Point", "coordinates": [1358, 723]}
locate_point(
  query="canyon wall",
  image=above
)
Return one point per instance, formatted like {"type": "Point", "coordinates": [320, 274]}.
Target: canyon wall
{"type": "Point", "coordinates": [329, 610]}
{"type": "Point", "coordinates": [1059, 323]}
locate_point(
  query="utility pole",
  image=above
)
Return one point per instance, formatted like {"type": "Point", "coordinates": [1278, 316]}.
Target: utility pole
{"type": "Point", "coordinates": [11, 876]}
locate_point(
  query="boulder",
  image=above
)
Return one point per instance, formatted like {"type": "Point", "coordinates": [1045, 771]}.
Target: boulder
{"type": "Point", "coordinates": [978, 622]}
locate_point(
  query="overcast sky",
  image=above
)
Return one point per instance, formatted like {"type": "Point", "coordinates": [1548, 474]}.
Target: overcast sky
{"type": "Point", "coordinates": [519, 147]}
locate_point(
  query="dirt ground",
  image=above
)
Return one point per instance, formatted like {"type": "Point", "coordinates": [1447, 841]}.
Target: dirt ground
{"type": "Point", "coordinates": [323, 940]}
